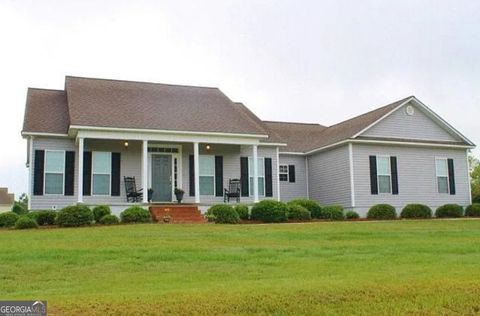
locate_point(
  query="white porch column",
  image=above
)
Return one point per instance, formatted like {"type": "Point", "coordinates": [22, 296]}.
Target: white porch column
{"type": "Point", "coordinates": [196, 171]}
{"type": "Point", "coordinates": [145, 170]}
{"type": "Point", "coordinates": [255, 173]}
{"type": "Point", "coordinates": [80, 171]}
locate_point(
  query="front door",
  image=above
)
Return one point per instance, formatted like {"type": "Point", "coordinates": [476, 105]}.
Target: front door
{"type": "Point", "coordinates": [162, 178]}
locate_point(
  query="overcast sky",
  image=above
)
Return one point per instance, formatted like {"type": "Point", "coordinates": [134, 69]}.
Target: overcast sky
{"type": "Point", "coordinates": [307, 61]}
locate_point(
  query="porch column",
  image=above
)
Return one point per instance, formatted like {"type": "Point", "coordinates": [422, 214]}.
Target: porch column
{"type": "Point", "coordinates": [80, 171]}
{"type": "Point", "coordinates": [145, 170]}
{"type": "Point", "coordinates": [196, 171]}
{"type": "Point", "coordinates": [255, 174]}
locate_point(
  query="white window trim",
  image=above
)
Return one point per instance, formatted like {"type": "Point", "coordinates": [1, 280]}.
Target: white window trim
{"type": "Point", "coordinates": [100, 173]}
{"type": "Point", "coordinates": [207, 175]}
{"type": "Point", "coordinates": [250, 190]}
{"type": "Point", "coordinates": [45, 173]}
{"type": "Point", "coordinates": [384, 175]}
{"type": "Point", "coordinates": [437, 176]}
{"type": "Point", "coordinates": [286, 173]}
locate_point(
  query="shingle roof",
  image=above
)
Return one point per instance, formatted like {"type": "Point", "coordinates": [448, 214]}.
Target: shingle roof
{"type": "Point", "coordinates": [298, 136]}
{"type": "Point", "coordinates": [46, 112]}
{"type": "Point", "coordinates": [128, 104]}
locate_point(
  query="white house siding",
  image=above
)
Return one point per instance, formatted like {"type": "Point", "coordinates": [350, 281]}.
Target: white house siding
{"type": "Point", "coordinates": [416, 126]}
{"type": "Point", "coordinates": [329, 177]}
{"type": "Point", "coordinates": [416, 176]}
{"type": "Point", "coordinates": [231, 168]}
{"type": "Point", "coordinates": [297, 189]}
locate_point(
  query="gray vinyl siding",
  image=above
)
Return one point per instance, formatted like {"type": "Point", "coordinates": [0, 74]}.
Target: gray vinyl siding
{"type": "Point", "coordinates": [403, 126]}
{"type": "Point", "coordinates": [416, 176]}
{"type": "Point", "coordinates": [329, 177]}
{"type": "Point", "coordinates": [297, 189]}
{"type": "Point", "coordinates": [231, 168]}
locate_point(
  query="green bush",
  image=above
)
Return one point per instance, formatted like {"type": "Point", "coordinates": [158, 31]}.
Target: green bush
{"type": "Point", "coordinates": [382, 211]}
{"type": "Point", "coordinates": [473, 210]}
{"type": "Point", "coordinates": [269, 211]}
{"type": "Point", "coordinates": [298, 212]}
{"type": "Point", "coordinates": [100, 211]}
{"type": "Point", "coordinates": [33, 215]}
{"type": "Point", "coordinates": [333, 212]}
{"type": "Point", "coordinates": [8, 219]}
{"type": "Point", "coordinates": [242, 211]}
{"type": "Point", "coordinates": [312, 206]}
{"type": "Point", "coordinates": [224, 214]}
{"type": "Point", "coordinates": [135, 214]}
{"type": "Point", "coordinates": [210, 217]}
{"type": "Point", "coordinates": [74, 216]}
{"type": "Point", "coordinates": [19, 209]}
{"type": "Point", "coordinates": [109, 219]}
{"type": "Point", "coordinates": [46, 217]}
{"type": "Point", "coordinates": [416, 211]}
{"type": "Point", "coordinates": [449, 211]}
{"type": "Point", "coordinates": [25, 222]}
{"type": "Point", "coordinates": [351, 215]}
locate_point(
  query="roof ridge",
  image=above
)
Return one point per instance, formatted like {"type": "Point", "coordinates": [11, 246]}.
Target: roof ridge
{"type": "Point", "coordinates": [45, 89]}
{"type": "Point", "coordinates": [143, 82]}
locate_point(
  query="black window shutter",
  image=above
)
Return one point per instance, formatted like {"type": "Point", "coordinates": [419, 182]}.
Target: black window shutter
{"type": "Point", "coordinates": [218, 176]}
{"type": "Point", "coordinates": [268, 177]}
{"type": "Point", "coordinates": [87, 173]}
{"type": "Point", "coordinates": [291, 173]}
{"type": "Point", "coordinates": [244, 175]}
{"type": "Point", "coordinates": [394, 171]}
{"type": "Point", "coordinates": [191, 170]}
{"type": "Point", "coordinates": [38, 169]}
{"type": "Point", "coordinates": [451, 177]}
{"type": "Point", "coordinates": [115, 174]}
{"type": "Point", "coordinates": [69, 172]}
{"type": "Point", "coordinates": [373, 175]}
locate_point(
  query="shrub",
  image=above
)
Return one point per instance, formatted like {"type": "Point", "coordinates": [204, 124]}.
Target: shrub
{"type": "Point", "coordinates": [269, 211]}
{"type": "Point", "coordinates": [312, 206]}
{"type": "Point", "coordinates": [33, 215]}
{"type": "Point", "coordinates": [298, 212]}
{"type": "Point", "coordinates": [19, 209]}
{"type": "Point", "coordinates": [333, 212]}
{"type": "Point", "coordinates": [352, 215]}
{"type": "Point", "coordinates": [224, 214]}
{"type": "Point", "coordinates": [382, 211]}
{"type": "Point", "coordinates": [242, 211]}
{"type": "Point", "coordinates": [416, 211]}
{"type": "Point", "coordinates": [135, 214]}
{"type": "Point", "coordinates": [109, 219]}
{"type": "Point", "coordinates": [449, 211]}
{"type": "Point", "coordinates": [8, 219]}
{"type": "Point", "coordinates": [473, 210]}
{"type": "Point", "coordinates": [74, 216]}
{"type": "Point", "coordinates": [210, 217]}
{"type": "Point", "coordinates": [25, 222]}
{"type": "Point", "coordinates": [46, 217]}
{"type": "Point", "coordinates": [100, 211]}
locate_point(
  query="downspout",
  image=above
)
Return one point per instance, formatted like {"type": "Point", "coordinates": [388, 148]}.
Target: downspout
{"type": "Point", "coordinates": [278, 175]}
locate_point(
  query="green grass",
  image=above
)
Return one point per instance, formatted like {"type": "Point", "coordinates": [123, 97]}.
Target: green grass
{"type": "Point", "coordinates": [428, 267]}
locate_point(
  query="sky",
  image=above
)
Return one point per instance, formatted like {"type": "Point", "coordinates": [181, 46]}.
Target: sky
{"type": "Point", "coordinates": [305, 61]}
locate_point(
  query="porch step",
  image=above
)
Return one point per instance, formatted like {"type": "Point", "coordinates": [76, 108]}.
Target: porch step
{"type": "Point", "coordinates": [179, 213]}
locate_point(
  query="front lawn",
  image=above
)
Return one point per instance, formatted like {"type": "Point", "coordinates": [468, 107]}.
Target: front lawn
{"type": "Point", "coordinates": [427, 267]}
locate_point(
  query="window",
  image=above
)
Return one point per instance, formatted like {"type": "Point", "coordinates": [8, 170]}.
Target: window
{"type": "Point", "coordinates": [207, 174]}
{"type": "Point", "coordinates": [101, 172]}
{"type": "Point", "coordinates": [384, 174]}
{"type": "Point", "coordinates": [261, 176]}
{"type": "Point", "coordinates": [54, 172]}
{"type": "Point", "coordinates": [441, 167]}
{"type": "Point", "coordinates": [283, 173]}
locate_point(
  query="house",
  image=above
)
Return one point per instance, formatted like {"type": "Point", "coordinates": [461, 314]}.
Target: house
{"type": "Point", "coordinates": [83, 141]}
{"type": "Point", "coordinates": [6, 200]}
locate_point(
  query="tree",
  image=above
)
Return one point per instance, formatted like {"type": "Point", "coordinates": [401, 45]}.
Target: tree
{"type": "Point", "coordinates": [474, 178]}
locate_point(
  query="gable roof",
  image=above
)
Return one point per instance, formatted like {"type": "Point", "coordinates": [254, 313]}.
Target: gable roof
{"type": "Point", "coordinates": [298, 136]}
{"type": "Point", "coordinates": [46, 112]}
{"type": "Point", "coordinates": [142, 105]}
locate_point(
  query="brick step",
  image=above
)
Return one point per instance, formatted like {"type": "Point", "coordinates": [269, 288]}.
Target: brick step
{"type": "Point", "coordinates": [178, 213]}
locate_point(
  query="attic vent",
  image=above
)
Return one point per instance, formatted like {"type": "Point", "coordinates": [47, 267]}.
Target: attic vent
{"type": "Point", "coordinates": [410, 110]}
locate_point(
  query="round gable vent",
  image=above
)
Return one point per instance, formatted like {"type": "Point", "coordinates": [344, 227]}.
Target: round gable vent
{"type": "Point", "coordinates": [410, 110]}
